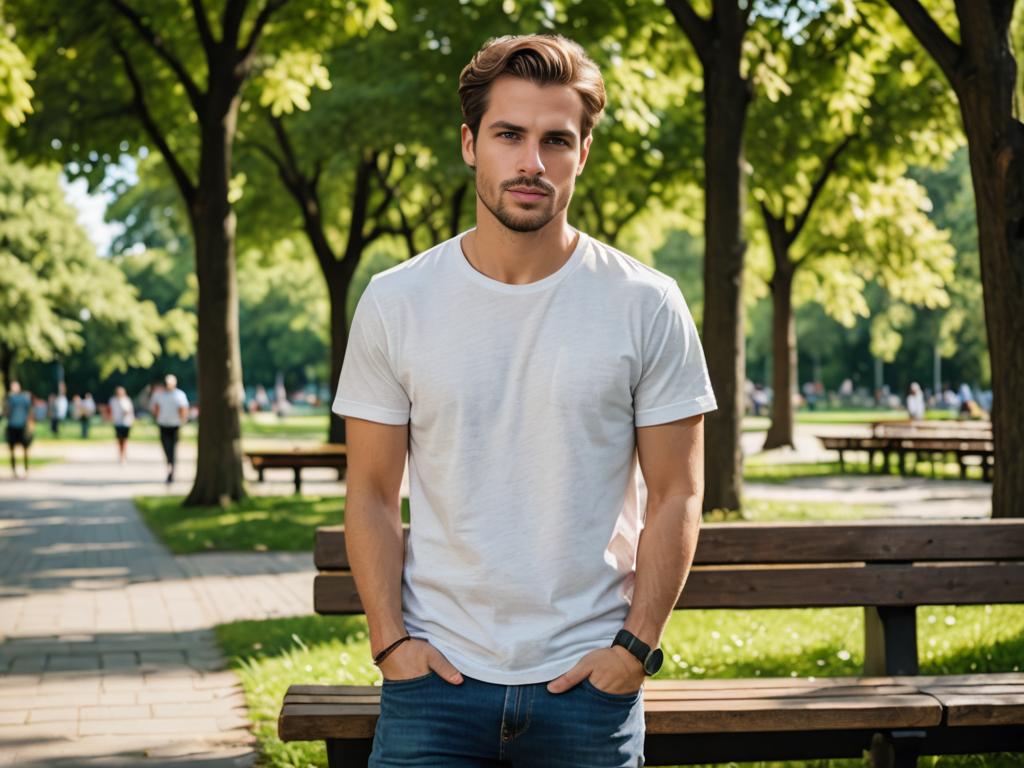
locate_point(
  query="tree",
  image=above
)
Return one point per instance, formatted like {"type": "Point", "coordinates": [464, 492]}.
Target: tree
{"type": "Point", "coordinates": [167, 76]}
{"type": "Point", "coordinates": [718, 42]}
{"type": "Point", "coordinates": [829, 147]}
{"type": "Point", "coordinates": [980, 66]}
{"type": "Point", "coordinates": [54, 291]}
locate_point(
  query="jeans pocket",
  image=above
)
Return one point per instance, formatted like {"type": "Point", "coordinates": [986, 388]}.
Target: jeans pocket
{"type": "Point", "coordinates": [409, 681]}
{"type": "Point", "coordinates": [618, 698]}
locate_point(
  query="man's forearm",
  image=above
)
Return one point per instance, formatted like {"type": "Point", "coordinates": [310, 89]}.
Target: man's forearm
{"type": "Point", "coordinates": [663, 560]}
{"type": "Point", "coordinates": [376, 554]}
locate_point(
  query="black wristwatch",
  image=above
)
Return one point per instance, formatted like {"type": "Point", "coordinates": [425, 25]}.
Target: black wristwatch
{"type": "Point", "coordinates": [651, 660]}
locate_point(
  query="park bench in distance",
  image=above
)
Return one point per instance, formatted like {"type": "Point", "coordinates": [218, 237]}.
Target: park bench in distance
{"type": "Point", "coordinates": [887, 567]}
{"type": "Point", "coordinates": [296, 459]}
{"type": "Point", "coordinates": [962, 439]}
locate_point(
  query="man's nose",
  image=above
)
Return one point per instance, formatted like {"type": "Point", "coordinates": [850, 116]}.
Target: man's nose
{"type": "Point", "coordinates": [530, 163]}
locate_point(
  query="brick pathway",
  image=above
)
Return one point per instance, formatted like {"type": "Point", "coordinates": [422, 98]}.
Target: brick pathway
{"type": "Point", "coordinates": [107, 657]}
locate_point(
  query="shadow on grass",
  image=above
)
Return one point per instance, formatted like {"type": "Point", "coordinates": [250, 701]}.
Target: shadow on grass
{"type": "Point", "coordinates": [259, 523]}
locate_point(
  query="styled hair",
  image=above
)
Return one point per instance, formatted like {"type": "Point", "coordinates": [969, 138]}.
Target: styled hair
{"type": "Point", "coordinates": [540, 59]}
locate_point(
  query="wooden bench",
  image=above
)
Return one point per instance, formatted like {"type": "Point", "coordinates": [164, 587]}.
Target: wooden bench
{"type": "Point", "coordinates": [296, 459]}
{"type": "Point", "coordinates": [890, 568]}
{"type": "Point", "coordinates": [903, 438]}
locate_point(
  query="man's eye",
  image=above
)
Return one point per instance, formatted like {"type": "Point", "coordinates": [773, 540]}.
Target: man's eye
{"type": "Point", "coordinates": [557, 140]}
{"type": "Point", "coordinates": [508, 135]}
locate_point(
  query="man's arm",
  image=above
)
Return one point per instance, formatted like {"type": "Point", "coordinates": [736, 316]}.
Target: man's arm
{"type": "Point", "coordinates": [376, 548]}
{"type": "Point", "coordinates": [672, 461]}
{"type": "Point", "coordinates": [373, 524]}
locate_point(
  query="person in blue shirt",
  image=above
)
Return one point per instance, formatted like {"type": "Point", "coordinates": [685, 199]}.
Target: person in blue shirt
{"type": "Point", "coordinates": [18, 410]}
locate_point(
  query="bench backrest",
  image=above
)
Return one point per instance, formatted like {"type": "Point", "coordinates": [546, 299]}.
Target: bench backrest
{"type": "Point", "coordinates": [788, 565]}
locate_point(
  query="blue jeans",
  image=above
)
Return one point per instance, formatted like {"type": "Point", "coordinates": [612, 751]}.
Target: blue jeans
{"type": "Point", "coordinates": [427, 721]}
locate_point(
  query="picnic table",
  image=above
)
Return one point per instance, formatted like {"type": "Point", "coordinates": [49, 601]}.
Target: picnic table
{"type": "Point", "coordinates": [297, 459]}
{"type": "Point", "coordinates": [924, 440]}
{"type": "Point", "coordinates": [889, 568]}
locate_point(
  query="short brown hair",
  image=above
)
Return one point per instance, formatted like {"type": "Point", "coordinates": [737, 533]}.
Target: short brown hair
{"type": "Point", "coordinates": [540, 59]}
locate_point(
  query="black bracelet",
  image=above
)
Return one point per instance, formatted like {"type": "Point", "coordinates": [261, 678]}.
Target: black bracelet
{"type": "Point", "coordinates": [384, 654]}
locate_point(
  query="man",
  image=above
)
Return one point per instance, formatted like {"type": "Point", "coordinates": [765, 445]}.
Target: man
{"type": "Point", "coordinates": [169, 406]}
{"type": "Point", "coordinates": [122, 416]}
{"type": "Point", "coordinates": [58, 408]}
{"type": "Point", "coordinates": [18, 410]}
{"type": "Point", "coordinates": [524, 367]}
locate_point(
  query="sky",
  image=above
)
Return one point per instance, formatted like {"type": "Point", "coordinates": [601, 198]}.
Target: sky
{"type": "Point", "coordinates": [90, 213]}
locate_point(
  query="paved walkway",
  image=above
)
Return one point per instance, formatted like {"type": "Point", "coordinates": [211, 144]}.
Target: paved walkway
{"type": "Point", "coordinates": [106, 651]}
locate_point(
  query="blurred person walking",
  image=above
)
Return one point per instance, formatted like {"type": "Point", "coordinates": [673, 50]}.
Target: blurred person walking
{"type": "Point", "coordinates": [86, 410]}
{"type": "Point", "coordinates": [58, 408]}
{"type": "Point", "coordinates": [915, 402]}
{"type": "Point", "coordinates": [122, 415]}
{"type": "Point", "coordinates": [170, 410]}
{"type": "Point", "coordinates": [18, 410]}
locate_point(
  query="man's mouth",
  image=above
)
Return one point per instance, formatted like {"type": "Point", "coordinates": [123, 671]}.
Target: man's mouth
{"type": "Point", "coordinates": [527, 193]}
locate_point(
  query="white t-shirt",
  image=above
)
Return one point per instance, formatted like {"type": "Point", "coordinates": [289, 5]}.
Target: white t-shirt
{"type": "Point", "coordinates": [169, 403]}
{"type": "Point", "coordinates": [522, 403]}
{"type": "Point", "coordinates": [122, 412]}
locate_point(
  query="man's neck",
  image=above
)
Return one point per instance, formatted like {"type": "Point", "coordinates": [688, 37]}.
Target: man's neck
{"type": "Point", "coordinates": [518, 258]}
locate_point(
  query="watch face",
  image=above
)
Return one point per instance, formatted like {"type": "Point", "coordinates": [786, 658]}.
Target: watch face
{"type": "Point", "coordinates": [654, 661]}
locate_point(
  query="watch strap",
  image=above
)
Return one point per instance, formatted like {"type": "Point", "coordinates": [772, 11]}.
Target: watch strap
{"type": "Point", "coordinates": [633, 644]}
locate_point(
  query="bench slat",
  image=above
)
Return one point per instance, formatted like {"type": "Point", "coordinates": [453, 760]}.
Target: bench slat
{"type": "Point", "coordinates": [334, 592]}
{"type": "Point", "coordinates": [679, 710]}
{"type": "Point", "coordinates": [869, 541]}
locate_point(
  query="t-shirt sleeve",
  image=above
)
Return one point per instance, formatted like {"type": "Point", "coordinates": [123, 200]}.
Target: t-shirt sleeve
{"type": "Point", "coordinates": [674, 382]}
{"type": "Point", "coordinates": [368, 387]}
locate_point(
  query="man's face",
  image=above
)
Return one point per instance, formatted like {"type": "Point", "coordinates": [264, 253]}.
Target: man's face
{"type": "Point", "coordinates": [528, 152]}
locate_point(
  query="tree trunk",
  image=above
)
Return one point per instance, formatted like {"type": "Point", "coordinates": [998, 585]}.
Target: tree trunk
{"type": "Point", "coordinates": [6, 357]}
{"type": "Point", "coordinates": [218, 359]}
{"type": "Point", "coordinates": [726, 98]}
{"type": "Point", "coordinates": [338, 287]}
{"type": "Point", "coordinates": [996, 147]}
{"type": "Point", "coordinates": [780, 432]}
{"type": "Point", "coordinates": [983, 73]}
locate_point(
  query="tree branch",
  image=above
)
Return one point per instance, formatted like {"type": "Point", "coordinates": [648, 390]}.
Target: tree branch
{"type": "Point", "coordinates": [268, 10]}
{"type": "Point", "coordinates": [945, 52]}
{"type": "Point", "coordinates": [181, 177]}
{"type": "Point", "coordinates": [694, 26]}
{"type": "Point", "coordinates": [231, 22]}
{"type": "Point", "coordinates": [157, 43]}
{"type": "Point", "coordinates": [819, 184]}
{"type": "Point", "coordinates": [203, 23]}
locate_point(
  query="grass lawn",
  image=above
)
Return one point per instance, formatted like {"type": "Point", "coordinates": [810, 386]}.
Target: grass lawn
{"type": "Point", "coordinates": [271, 655]}
{"type": "Point", "coordinates": [288, 523]}
{"type": "Point", "coordinates": [755, 471]}
{"type": "Point", "coordinates": [260, 523]}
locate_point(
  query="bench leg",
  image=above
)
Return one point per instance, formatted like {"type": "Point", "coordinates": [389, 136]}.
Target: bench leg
{"type": "Point", "coordinates": [342, 753]}
{"type": "Point", "coordinates": [842, 464]}
{"type": "Point", "coordinates": [260, 473]}
{"type": "Point", "coordinates": [890, 641]}
{"type": "Point", "coordinates": [298, 480]}
{"type": "Point", "coordinates": [898, 749]}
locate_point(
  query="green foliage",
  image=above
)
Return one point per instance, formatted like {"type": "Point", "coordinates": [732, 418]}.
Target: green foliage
{"type": "Point", "coordinates": [15, 72]}
{"type": "Point", "coordinates": [56, 295]}
{"type": "Point", "coordinates": [283, 314]}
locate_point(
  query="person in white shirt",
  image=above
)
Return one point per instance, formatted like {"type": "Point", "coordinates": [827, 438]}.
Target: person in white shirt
{"type": "Point", "coordinates": [122, 415]}
{"type": "Point", "coordinates": [170, 411]}
{"type": "Point", "coordinates": [529, 373]}
{"type": "Point", "coordinates": [915, 402]}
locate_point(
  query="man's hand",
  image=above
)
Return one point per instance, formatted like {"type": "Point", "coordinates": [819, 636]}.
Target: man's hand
{"type": "Point", "coordinates": [612, 670]}
{"type": "Point", "coordinates": [416, 658]}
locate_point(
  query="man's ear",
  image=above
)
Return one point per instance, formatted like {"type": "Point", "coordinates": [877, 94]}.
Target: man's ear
{"type": "Point", "coordinates": [468, 147]}
{"type": "Point", "coordinates": [584, 152]}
